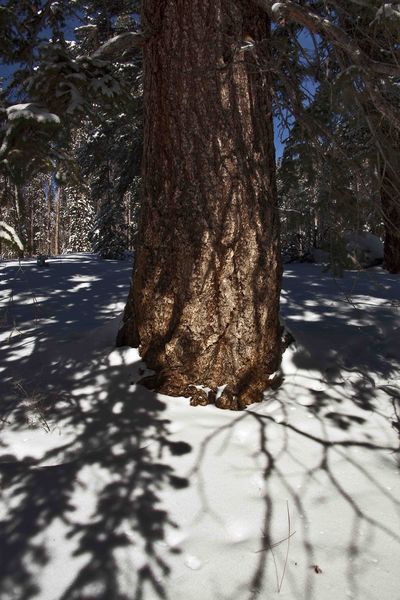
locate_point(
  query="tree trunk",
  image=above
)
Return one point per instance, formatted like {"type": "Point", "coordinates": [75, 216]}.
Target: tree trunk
{"type": "Point", "coordinates": [20, 214]}
{"type": "Point", "coordinates": [204, 301]}
{"type": "Point", "coordinates": [49, 224]}
{"type": "Point", "coordinates": [390, 199]}
{"type": "Point", "coordinates": [30, 225]}
{"type": "Point", "coordinates": [57, 223]}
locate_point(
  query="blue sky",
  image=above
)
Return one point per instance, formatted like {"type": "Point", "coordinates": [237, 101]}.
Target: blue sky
{"type": "Point", "coordinates": [279, 147]}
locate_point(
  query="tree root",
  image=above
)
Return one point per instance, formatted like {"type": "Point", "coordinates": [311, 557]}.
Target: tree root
{"type": "Point", "coordinates": [229, 399]}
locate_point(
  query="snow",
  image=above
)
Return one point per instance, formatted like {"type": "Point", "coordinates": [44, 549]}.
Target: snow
{"type": "Point", "coordinates": [9, 234]}
{"type": "Point", "coordinates": [127, 494]}
{"type": "Point", "coordinates": [388, 10]}
{"type": "Point", "coordinates": [364, 246]}
{"type": "Point", "coordinates": [277, 7]}
{"type": "Point", "coordinates": [32, 112]}
{"type": "Point", "coordinates": [119, 43]}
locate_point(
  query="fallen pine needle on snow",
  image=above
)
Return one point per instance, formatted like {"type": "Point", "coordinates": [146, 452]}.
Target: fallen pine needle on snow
{"type": "Point", "coordinates": [275, 544]}
{"type": "Point", "coordinates": [279, 580]}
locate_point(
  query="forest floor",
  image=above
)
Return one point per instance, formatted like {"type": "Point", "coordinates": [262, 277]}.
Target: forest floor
{"type": "Point", "coordinates": [111, 492]}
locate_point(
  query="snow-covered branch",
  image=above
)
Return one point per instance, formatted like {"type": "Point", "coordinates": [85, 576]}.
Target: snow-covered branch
{"type": "Point", "coordinates": [120, 44]}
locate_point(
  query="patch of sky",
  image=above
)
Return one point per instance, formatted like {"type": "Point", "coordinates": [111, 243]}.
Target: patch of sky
{"type": "Point", "coordinates": [283, 122]}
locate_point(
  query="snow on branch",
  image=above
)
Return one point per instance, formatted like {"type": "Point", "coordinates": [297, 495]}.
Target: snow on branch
{"type": "Point", "coordinates": [119, 44]}
{"type": "Point", "coordinates": [31, 112]}
{"type": "Point", "coordinates": [388, 10]}
{"type": "Point", "coordinates": [9, 236]}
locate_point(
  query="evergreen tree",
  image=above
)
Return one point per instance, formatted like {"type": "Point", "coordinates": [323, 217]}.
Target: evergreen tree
{"type": "Point", "coordinates": [109, 147]}
{"type": "Point", "coordinates": [80, 220]}
{"type": "Point", "coordinates": [109, 235]}
{"type": "Point", "coordinates": [327, 182]}
{"type": "Point", "coordinates": [363, 91]}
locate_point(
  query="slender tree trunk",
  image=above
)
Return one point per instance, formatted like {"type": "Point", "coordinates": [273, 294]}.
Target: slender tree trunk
{"type": "Point", "coordinates": [49, 232]}
{"type": "Point", "coordinates": [20, 219]}
{"type": "Point", "coordinates": [390, 199]}
{"type": "Point", "coordinates": [30, 225]}
{"type": "Point", "coordinates": [204, 301]}
{"type": "Point", "coordinates": [128, 216]}
{"type": "Point", "coordinates": [57, 224]}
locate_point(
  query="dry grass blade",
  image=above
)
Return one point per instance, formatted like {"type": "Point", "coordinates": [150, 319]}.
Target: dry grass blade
{"type": "Point", "coordinates": [279, 581]}
{"type": "Point", "coordinates": [287, 549]}
{"type": "Point", "coordinates": [275, 544]}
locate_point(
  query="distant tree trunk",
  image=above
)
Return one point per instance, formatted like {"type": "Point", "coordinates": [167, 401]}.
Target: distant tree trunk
{"type": "Point", "coordinates": [20, 219]}
{"type": "Point", "coordinates": [204, 301]}
{"type": "Point", "coordinates": [49, 232]}
{"type": "Point", "coordinates": [128, 220]}
{"type": "Point", "coordinates": [30, 226]}
{"type": "Point", "coordinates": [390, 199]}
{"type": "Point", "coordinates": [57, 224]}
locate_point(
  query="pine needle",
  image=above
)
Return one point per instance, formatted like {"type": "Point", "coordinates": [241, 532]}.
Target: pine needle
{"type": "Point", "coordinates": [287, 549]}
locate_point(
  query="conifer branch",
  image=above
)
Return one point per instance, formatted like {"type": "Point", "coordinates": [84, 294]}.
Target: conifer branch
{"type": "Point", "coordinates": [118, 45]}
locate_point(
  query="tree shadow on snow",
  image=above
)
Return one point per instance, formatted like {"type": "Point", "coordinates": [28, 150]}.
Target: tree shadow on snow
{"type": "Point", "coordinates": [345, 322]}
{"type": "Point", "coordinates": [44, 308]}
{"type": "Point", "coordinates": [326, 427]}
{"type": "Point", "coordinates": [121, 437]}
{"type": "Point", "coordinates": [97, 493]}
{"type": "Point", "coordinates": [40, 306]}
{"type": "Point", "coordinates": [289, 560]}
{"type": "Point", "coordinates": [348, 329]}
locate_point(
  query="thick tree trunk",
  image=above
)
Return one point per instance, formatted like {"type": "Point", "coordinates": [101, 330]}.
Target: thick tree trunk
{"type": "Point", "coordinates": [204, 301]}
{"type": "Point", "coordinates": [390, 198]}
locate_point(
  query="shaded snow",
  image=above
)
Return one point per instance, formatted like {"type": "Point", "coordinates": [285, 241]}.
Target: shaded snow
{"type": "Point", "coordinates": [129, 494]}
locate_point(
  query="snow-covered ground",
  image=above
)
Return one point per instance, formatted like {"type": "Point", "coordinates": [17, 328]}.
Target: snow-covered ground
{"type": "Point", "coordinates": [111, 492]}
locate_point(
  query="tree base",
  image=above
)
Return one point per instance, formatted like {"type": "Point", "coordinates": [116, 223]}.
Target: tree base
{"type": "Point", "coordinates": [392, 268]}
{"type": "Point", "coordinates": [227, 400]}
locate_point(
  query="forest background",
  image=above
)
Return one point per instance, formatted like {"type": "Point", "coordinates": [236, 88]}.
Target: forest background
{"type": "Point", "coordinates": [72, 124]}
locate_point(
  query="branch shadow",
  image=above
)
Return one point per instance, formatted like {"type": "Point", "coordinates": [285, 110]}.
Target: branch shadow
{"type": "Point", "coordinates": [326, 442]}
{"type": "Point", "coordinates": [38, 311]}
{"type": "Point", "coordinates": [90, 502]}
{"type": "Point", "coordinates": [311, 471]}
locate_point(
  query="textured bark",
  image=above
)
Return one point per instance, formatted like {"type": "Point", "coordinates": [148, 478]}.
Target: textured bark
{"type": "Point", "coordinates": [204, 301]}
{"type": "Point", "coordinates": [390, 198]}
